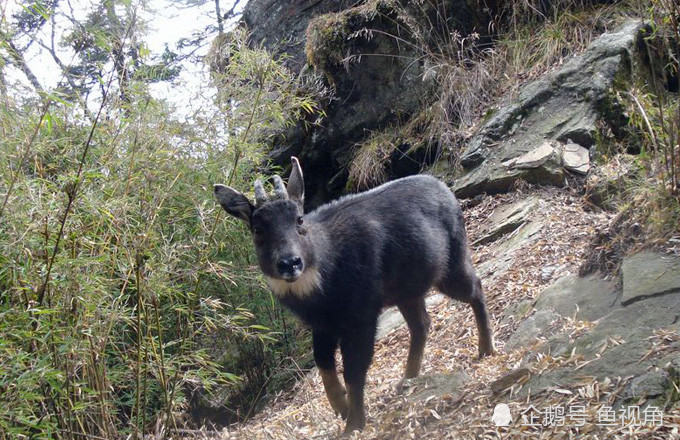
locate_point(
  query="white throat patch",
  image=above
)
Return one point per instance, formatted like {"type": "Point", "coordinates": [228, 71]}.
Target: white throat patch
{"type": "Point", "coordinates": [309, 281]}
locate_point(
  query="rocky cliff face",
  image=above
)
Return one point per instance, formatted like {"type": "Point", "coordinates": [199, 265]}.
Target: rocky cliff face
{"type": "Point", "coordinates": [371, 54]}
{"type": "Point", "coordinates": [280, 25]}
{"type": "Point", "coordinates": [550, 130]}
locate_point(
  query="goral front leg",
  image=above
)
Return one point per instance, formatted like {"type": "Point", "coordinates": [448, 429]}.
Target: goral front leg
{"type": "Point", "coordinates": [335, 392]}
{"type": "Point", "coordinates": [325, 345]}
{"type": "Point", "coordinates": [357, 352]}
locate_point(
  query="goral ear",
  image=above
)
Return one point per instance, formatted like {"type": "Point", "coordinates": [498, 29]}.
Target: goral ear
{"type": "Point", "coordinates": [296, 184]}
{"type": "Point", "coordinates": [234, 202]}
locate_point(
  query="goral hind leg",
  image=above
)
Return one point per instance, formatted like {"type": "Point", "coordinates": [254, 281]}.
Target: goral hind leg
{"type": "Point", "coordinates": [418, 322]}
{"type": "Point", "coordinates": [462, 284]}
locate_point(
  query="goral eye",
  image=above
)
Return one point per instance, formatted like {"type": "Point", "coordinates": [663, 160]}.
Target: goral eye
{"type": "Point", "coordinates": [300, 221]}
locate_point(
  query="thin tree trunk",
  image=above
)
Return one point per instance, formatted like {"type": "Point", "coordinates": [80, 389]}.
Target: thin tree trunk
{"type": "Point", "coordinates": [218, 12]}
{"type": "Point", "coordinates": [117, 51]}
{"type": "Point", "coordinates": [18, 60]}
{"type": "Point", "coordinates": [3, 80]}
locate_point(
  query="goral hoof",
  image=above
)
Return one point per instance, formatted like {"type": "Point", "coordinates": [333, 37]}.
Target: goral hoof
{"type": "Point", "coordinates": [399, 387]}
{"type": "Point", "coordinates": [350, 430]}
{"type": "Point", "coordinates": [485, 353]}
{"type": "Point", "coordinates": [339, 405]}
{"type": "Point", "coordinates": [342, 414]}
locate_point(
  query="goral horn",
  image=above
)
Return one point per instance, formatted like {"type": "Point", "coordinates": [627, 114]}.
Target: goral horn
{"type": "Point", "coordinates": [260, 195]}
{"type": "Point", "coordinates": [279, 188]}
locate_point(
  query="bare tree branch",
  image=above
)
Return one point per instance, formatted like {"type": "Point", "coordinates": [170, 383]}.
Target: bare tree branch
{"type": "Point", "coordinates": [231, 13]}
{"type": "Point", "coordinates": [117, 51]}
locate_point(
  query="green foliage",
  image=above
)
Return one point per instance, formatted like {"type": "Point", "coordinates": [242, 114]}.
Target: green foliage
{"type": "Point", "coordinates": [123, 287]}
{"type": "Point", "coordinates": [242, 74]}
{"type": "Point", "coordinates": [34, 14]}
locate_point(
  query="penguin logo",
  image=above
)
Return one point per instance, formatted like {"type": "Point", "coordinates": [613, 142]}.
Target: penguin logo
{"type": "Point", "coordinates": [501, 415]}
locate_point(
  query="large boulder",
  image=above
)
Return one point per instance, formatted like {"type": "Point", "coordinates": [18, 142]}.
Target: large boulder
{"type": "Point", "coordinates": [551, 127]}
{"type": "Point", "coordinates": [588, 298]}
{"type": "Point", "coordinates": [506, 220]}
{"type": "Point", "coordinates": [426, 387]}
{"type": "Point", "coordinates": [648, 274]}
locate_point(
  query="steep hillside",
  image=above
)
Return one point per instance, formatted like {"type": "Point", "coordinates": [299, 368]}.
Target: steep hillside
{"type": "Point", "coordinates": [568, 345]}
{"type": "Point", "coordinates": [569, 176]}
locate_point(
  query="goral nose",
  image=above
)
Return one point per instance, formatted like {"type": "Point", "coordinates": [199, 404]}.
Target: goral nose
{"type": "Point", "coordinates": [289, 265]}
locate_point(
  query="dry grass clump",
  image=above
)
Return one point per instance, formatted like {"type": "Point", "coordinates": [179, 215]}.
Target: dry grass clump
{"type": "Point", "coordinates": [642, 189]}
{"type": "Point", "coordinates": [367, 169]}
{"type": "Point", "coordinates": [414, 141]}
{"type": "Point", "coordinates": [647, 216]}
{"type": "Point", "coordinates": [652, 197]}
{"type": "Point", "coordinates": [527, 46]}
{"type": "Point", "coordinates": [530, 49]}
